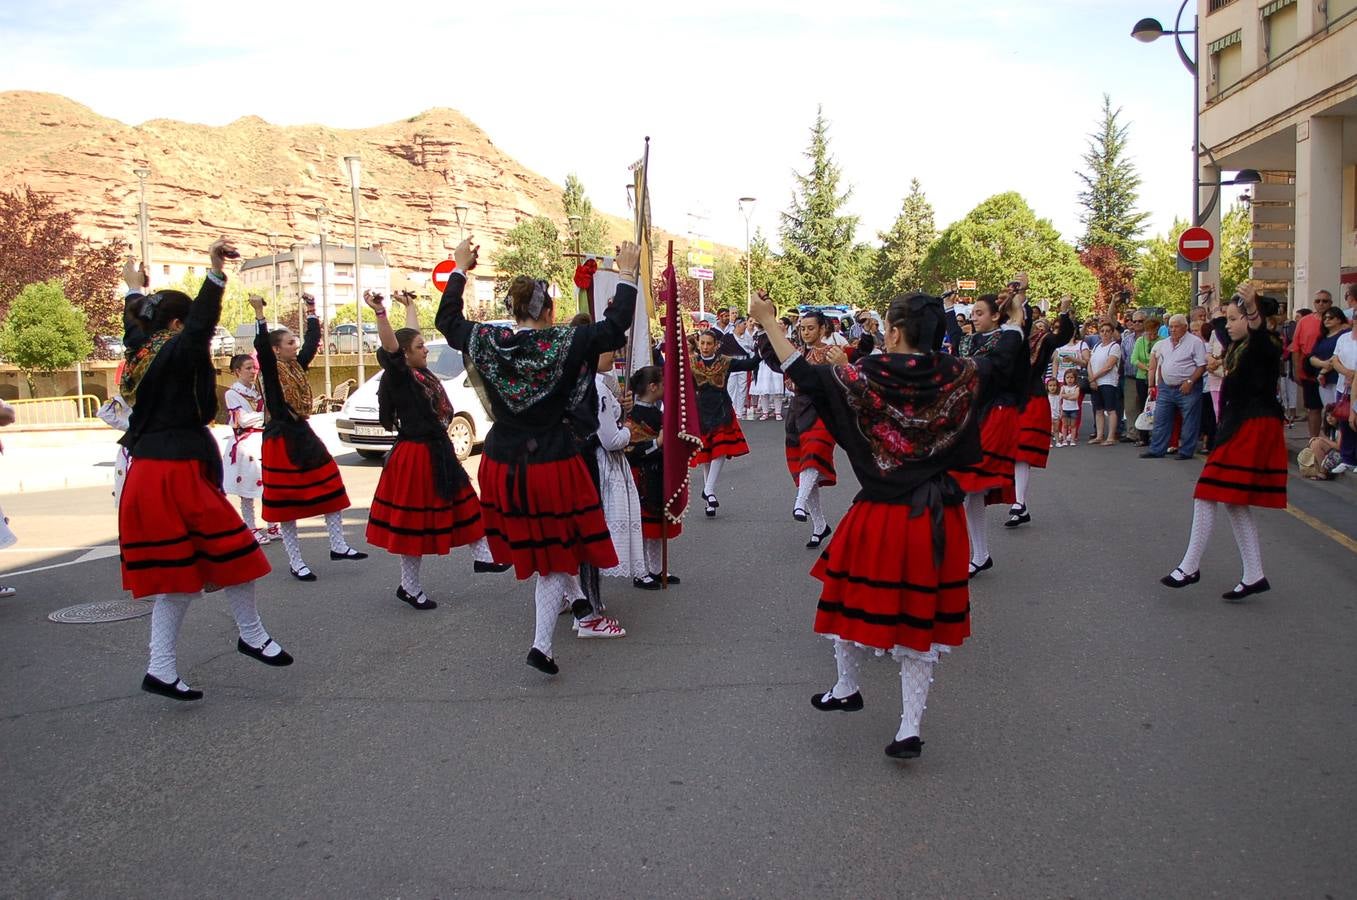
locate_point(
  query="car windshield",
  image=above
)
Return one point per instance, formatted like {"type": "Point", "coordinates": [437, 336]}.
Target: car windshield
{"type": "Point", "coordinates": [445, 362]}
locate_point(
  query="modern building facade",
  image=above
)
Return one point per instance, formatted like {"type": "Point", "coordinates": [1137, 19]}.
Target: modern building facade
{"type": "Point", "coordinates": [1279, 95]}
{"type": "Point", "coordinates": [277, 275]}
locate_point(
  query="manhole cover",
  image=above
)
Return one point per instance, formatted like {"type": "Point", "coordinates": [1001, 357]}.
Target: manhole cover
{"type": "Point", "coordinates": [103, 611]}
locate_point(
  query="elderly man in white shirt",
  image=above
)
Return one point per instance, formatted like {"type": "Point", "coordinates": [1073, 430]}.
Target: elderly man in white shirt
{"type": "Point", "coordinates": [1177, 367]}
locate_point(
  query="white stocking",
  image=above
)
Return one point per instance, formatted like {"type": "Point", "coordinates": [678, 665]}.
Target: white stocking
{"type": "Point", "coordinates": [848, 659]}
{"type": "Point", "coordinates": [654, 556]}
{"type": "Point", "coordinates": [410, 574]}
{"type": "Point", "coordinates": [247, 512]}
{"type": "Point", "coordinates": [817, 513]}
{"type": "Point", "coordinates": [292, 545]}
{"type": "Point", "coordinates": [166, 617]}
{"type": "Point", "coordinates": [246, 613]}
{"type": "Point", "coordinates": [480, 551]}
{"type": "Point", "coordinates": [334, 524]}
{"type": "Point", "coordinates": [551, 590]}
{"type": "Point", "coordinates": [916, 674]}
{"type": "Point", "coordinates": [975, 528]}
{"type": "Point", "coordinates": [805, 483]}
{"type": "Point", "coordinates": [713, 473]}
{"type": "Point", "coordinates": [1246, 536]}
{"type": "Point", "coordinates": [1203, 521]}
{"type": "Point", "coordinates": [1022, 473]}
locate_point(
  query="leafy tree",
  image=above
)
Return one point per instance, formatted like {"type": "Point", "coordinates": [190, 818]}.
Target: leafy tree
{"type": "Point", "coordinates": [1112, 273]}
{"type": "Point", "coordinates": [533, 248]}
{"type": "Point", "coordinates": [1000, 237]}
{"type": "Point", "coordinates": [771, 273]}
{"type": "Point", "coordinates": [1158, 281]}
{"type": "Point", "coordinates": [817, 239]}
{"type": "Point", "coordinates": [1111, 189]}
{"type": "Point", "coordinates": [895, 269]}
{"type": "Point", "coordinates": [43, 332]}
{"type": "Point", "coordinates": [1236, 238]}
{"type": "Point", "coordinates": [727, 288]}
{"type": "Point", "coordinates": [38, 242]}
{"type": "Point", "coordinates": [593, 230]}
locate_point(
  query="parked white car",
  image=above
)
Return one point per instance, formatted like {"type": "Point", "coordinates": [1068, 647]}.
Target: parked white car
{"type": "Point", "coordinates": [344, 338]}
{"type": "Point", "coordinates": [359, 427]}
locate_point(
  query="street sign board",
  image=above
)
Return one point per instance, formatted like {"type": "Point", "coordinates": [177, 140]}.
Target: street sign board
{"type": "Point", "coordinates": [1195, 245]}
{"type": "Point", "coordinates": [701, 273]}
{"type": "Point", "coordinates": [965, 285]}
{"type": "Point", "coordinates": [441, 273]}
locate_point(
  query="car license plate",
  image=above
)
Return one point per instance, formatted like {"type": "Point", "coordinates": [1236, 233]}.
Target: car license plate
{"type": "Point", "coordinates": [369, 430]}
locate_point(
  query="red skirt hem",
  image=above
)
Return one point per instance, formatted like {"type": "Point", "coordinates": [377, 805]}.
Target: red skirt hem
{"type": "Point", "coordinates": [812, 449]}
{"type": "Point", "coordinates": [1034, 433]}
{"type": "Point", "coordinates": [178, 533]}
{"type": "Point", "coordinates": [1249, 468]}
{"type": "Point", "coordinates": [881, 586]}
{"type": "Point", "coordinates": [561, 526]}
{"type": "Point", "coordinates": [726, 441]}
{"type": "Point", "coordinates": [409, 518]}
{"type": "Point", "coordinates": [291, 493]}
{"type": "Point", "coordinates": [998, 443]}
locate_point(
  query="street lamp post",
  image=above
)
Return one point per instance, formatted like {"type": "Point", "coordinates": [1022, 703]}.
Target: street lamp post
{"type": "Point", "coordinates": [273, 258]}
{"type": "Point", "coordinates": [355, 171]}
{"type": "Point", "coordinates": [459, 212]}
{"type": "Point", "coordinates": [143, 221]}
{"type": "Point", "coordinates": [298, 261]}
{"type": "Point", "coordinates": [747, 208]}
{"type": "Point", "coordinates": [321, 212]}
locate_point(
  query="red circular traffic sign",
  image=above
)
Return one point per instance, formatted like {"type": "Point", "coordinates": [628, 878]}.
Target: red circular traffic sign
{"type": "Point", "coordinates": [441, 273]}
{"type": "Point", "coordinates": [1195, 245]}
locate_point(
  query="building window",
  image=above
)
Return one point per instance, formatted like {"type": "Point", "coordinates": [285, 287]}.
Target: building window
{"type": "Point", "coordinates": [1281, 23]}
{"type": "Point", "coordinates": [1227, 60]}
{"type": "Point", "coordinates": [193, 270]}
{"type": "Point", "coordinates": [1218, 4]}
{"type": "Point", "coordinates": [165, 270]}
{"type": "Point", "coordinates": [343, 270]}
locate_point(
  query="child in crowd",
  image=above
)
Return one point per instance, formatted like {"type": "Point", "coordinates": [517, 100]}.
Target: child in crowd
{"type": "Point", "coordinates": [1069, 410]}
{"type": "Point", "coordinates": [1053, 398]}
{"type": "Point", "coordinates": [645, 424]}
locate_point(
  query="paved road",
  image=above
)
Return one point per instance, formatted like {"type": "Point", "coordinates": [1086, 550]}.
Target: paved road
{"type": "Point", "coordinates": [1099, 735]}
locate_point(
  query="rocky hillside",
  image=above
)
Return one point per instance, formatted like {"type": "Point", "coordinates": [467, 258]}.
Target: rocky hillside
{"type": "Point", "coordinates": [250, 178]}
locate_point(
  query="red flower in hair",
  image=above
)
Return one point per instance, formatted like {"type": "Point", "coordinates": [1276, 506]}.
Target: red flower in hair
{"type": "Point", "coordinates": [584, 274]}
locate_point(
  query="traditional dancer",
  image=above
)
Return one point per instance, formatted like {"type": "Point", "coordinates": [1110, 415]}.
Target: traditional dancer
{"type": "Point", "coordinates": [998, 338]}
{"type": "Point", "coordinates": [645, 425]}
{"type": "Point", "coordinates": [177, 532]}
{"type": "Point", "coordinates": [244, 474]}
{"type": "Point", "coordinates": [300, 477]}
{"type": "Point", "coordinates": [722, 437]}
{"type": "Point", "coordinates": [424, 504]}
{"type": "Point", "coordinates": [739, 343]}
{"type": "Point", "coordinates": [542, 512]}
{"type": "Point", "coordinates": [1034, 423]}
{"type": "Point", "coordinates": [894, 577]}
{"type": "Point", "coordinates": [1247, 464]}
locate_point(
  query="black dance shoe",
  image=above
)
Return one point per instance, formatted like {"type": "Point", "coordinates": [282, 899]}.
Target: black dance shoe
{"type": "Point", "coordinates": [909, 748]}
{"type": "Point", "coordinates": [827, 702]}
{"type": "Point", "coordinates": [281, 658]}
{"type": "Point", "coordinates": [1242, 590]}
{"type": "Point", "coordinates": [481, 568]}
{"type": "Point", "coordinates": [1017, 515]}
{"type": "Point", "coordinates": [1172, 580]}
{"type": "Point", "coordinates": [177, 691]}
{"type": "Point", "coordinates": [303, 574]}
{"type": "Point", "coordinates": [420, 601]}
{"type": "Point", "coordinates": [800, 515]}
{"type": "Point", "coordinates": [349, 554]}
{"type": "Point", "coordinates": [649, 583]}
{"type": "Point", "coordinates": [987, 564]}
{"type": "Point", "coordinates": [712, 506]}
{"type": "Point", "coordinates": [542, 663]}
{"type": "Point", "coordinates": [817, 539]}
{"type": "Point", "coordinates": [581, 608]}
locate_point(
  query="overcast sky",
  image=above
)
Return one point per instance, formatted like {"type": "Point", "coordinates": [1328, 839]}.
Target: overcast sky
{"type": "Point", "coordinates": [972, 101]}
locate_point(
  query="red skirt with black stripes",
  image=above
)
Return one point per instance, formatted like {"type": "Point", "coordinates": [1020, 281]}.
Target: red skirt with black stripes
{"type": "Point", "coordinates": [1248, 468]}
{"type": "Point", "coordinates": [292, 493]}
{"type": "Point", "coordinates": [723, 441]}
{"type": "Point", "coordinates": [999, 444]}
{"type": "Point", "coordinates": [881, 586]}
{"type": "Point", "coordinates": [1034, 433]}
{"type": "Point", "coordinates": [544, 517]}
{"type": "Point", "coordinates": [812, 449]}
{"type": "Point", "coordinates": [409, 517]}
{"type": "Point", "coordinates": [177, 532]}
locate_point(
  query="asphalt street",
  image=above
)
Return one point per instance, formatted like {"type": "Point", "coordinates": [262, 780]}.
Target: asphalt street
{"type": "Point", "coordinates": [1099, 735]}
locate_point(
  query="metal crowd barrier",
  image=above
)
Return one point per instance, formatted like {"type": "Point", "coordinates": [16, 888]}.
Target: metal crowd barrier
{"type": "Point", "coordinates": [55, 410]}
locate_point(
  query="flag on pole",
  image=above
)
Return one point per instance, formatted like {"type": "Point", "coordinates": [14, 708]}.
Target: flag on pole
{"type": "Point", "coordinates": [638, 345]}
{"type": "Point", "coordinates": [681, 427]}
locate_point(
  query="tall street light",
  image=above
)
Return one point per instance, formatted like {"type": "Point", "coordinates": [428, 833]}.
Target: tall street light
{"type": "Point", "coordinates": [298, 261]}
{"type": "Point", "coordinates": [143, 221]}
{"type": "Point", "coordinates": [322, 211]}
{"type": "Point", "coordinates": [459, 212]}
{"type": "Point", "coordinates": [747, 208]}
{"type": "Point", "coordinates": [273, 258]}
{"type": "Point", "coordinates": [355, 171]}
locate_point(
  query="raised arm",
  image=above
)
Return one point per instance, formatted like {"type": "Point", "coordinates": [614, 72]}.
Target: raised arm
{"type": "Point", "coordinates": [205, 311]}
{"type": "Point", "coordinates": [384, 331]}
{"type": "Point", "coordinates": [311, 341]}
{"type": "Point", "coordinates": [263, 347]}
{"type": "Point", "coordinates": [611, 333]}
{"type": "Point", "coordinates": [450, 320]}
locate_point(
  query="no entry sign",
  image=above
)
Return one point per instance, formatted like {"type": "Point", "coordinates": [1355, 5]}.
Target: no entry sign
{"type": "Point", "coordinates": [441, 273]}
{"type": "Point", "coordinates": [1195, 245]}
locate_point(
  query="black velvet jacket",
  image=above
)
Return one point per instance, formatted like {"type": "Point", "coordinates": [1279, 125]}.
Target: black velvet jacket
{"type": "Point", "coordinates": [1249, 388]}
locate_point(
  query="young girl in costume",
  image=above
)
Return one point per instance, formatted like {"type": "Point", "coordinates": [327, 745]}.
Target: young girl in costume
{"type": "Point", "coordinates": [244, 474]}
{"type": "Point", "coordinates": [722, 437]}
{"type": "Point", "coordinates": [300, 477]}
{"type": "Point", "coordinates": [177, 532]}
{"type": "Point", "coordinates": [1034, 421]}
{"type": "Point", "coordinates": [645, 424]}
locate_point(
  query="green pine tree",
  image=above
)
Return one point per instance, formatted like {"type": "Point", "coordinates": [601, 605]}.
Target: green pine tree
{"type": "Point", "coordinates": [817, 239]}
{"type": "Point", "coordinates": [895, 269]}
{"type": "Point", "coordinates": [593, 230]}
{"type": "Point", "coordinates": [1111, 189]}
